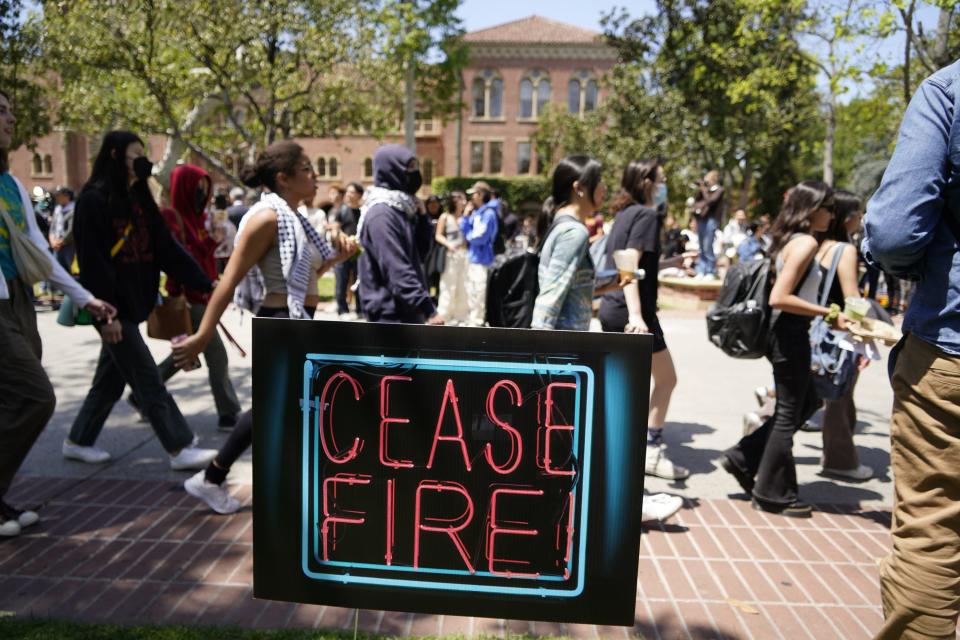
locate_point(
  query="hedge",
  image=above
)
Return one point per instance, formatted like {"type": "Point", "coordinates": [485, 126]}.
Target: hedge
{"type": "Point", "coordinates": [516, 191]}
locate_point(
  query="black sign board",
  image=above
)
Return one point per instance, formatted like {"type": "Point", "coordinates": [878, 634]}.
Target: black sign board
{"type": "Point", "coordinates": [487, 472]}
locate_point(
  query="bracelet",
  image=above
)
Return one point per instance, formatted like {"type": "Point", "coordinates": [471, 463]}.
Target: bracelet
{"type": "Point", "coordinates": [833, 313]}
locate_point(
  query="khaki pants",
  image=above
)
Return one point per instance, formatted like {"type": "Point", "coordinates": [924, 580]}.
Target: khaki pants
{"type": "Point", "coordinates": [26, 395]}
{"type": "Point", "coordinates": [920, 579]}
{"type": "Point", "coordinates": [452, 303]}
{"type": "Point", "coordinates": [477, 293]}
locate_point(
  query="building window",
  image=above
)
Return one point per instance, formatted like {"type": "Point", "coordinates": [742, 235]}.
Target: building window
{"type": "Point", "coordinates": [37, 166]}
{"type": "Point", "coordinates": [496, 157]}
{"type": "Point", "coordinates": [523, 158]}
{"type": "Point", "coordinates": [328, 167]}
{"type": "Point", "coordinates": [487, 95]}
{"type": "Point", "coordinates": [583, 93]}
{"type": "Point", "coordinates": [321, 167]}
{"type": "Point", "coordinates": [368, 168]}
{"type": "Point", "coordinates": [534, 94]}
{"type": "Point", "coordinates": [426, 169]}
{"type": "Point", "coordinates": [476, 157]}
{"type": "Point", "coordinates": [334, 167]}
{"type": "Point", "coordinates": [48, 164]}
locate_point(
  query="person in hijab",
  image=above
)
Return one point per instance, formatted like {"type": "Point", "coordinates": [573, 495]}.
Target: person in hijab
{"type": "Point", "coordinates": [394, 232]}
{"type": "Point", "coordinates": [190, 189]}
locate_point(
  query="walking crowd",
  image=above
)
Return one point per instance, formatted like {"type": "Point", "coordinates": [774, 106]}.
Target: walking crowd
{"type": "Point", "coordinates": [399, 259]}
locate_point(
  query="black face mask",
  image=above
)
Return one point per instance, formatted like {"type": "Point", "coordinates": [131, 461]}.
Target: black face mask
{"type": "Point", "coordinates": [201, 198]}
{"type": "Point", "coordinates": [414, 181]}
{"type": "Point", "coordinates": [142, 168]}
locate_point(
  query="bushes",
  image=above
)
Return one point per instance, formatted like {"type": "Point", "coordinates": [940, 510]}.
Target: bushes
{"type": "Point", "coordinates": [516, 191]}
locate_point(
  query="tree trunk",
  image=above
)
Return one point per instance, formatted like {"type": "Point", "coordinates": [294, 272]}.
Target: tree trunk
{"type": "Point", "coordinates": [828, 141]}
{"type": "Point", "coordinates": [176, 146]}
{"type": "Point", "coordinates": [908, 39]}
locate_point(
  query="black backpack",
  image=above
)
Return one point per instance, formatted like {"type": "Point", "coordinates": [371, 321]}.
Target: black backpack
{"type": "Point", "coordinates": [739, 321]}
{"type": "Point", "coordinates": [513, 286]}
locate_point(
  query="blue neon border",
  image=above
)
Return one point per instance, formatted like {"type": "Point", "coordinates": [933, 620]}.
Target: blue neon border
{"type": "Point", "coordinates": [436, 364]}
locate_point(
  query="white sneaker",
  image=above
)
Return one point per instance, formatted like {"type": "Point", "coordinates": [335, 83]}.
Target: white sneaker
{"type": "Point", "coordinates": [23, 517]}
{"type": "Point", "coordinates": [762, 394]}
{"type": "Point", "coordinates": [860, 474]}
{"type": "Point", "coordinates": [216, 496]}
{"type": "Point", "coordinates": [658, 465]}
{"type": "Point", "coordinates": [751, 422]}
{"type": "Point", "coordinates": [90, 455]}
{"type": "Point", "coordinates": [192, 458]}
{"type": "Point", "coordinates": [660, 506]}
{"type": "Point", "coordinates": [9, 528]}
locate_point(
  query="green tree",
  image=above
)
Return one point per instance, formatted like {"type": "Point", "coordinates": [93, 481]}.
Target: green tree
{"type": "Point", "coordinates": [19, 71]}
{"type": "Point", "coordinates": [222, 77]}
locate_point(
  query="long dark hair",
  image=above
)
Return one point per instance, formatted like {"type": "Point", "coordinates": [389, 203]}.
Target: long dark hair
{"type": "Point", "coordinates": [4, 157]}
{"type": "Point", "coordinates": [794, 217]}
{"type": "Point", "coordinates": [845, 205]}
{"type": "Point", "coordinates": [110, 174]}
{"type": "Point", "coordinates": [578, 168]}
{"type": "Point", "coordinates": [638, 178]}
{"type": "Point", "coordinates": [280, 157]}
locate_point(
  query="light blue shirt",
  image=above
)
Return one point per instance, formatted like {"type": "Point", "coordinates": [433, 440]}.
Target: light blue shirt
{"type": "Point", "coordinates": [905, 229]}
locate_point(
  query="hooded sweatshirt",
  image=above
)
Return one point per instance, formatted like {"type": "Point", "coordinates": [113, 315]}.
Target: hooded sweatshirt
{"type": "Point", "coordinates": [187, 223]}
{"type": "Point", "coordinates": [130, 279]}
{"type": "Point", "coordinates": [392, 284]}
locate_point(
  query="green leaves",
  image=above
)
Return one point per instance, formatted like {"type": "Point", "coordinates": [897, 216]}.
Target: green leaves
{"type": "Point", "coordinates": [20, 72]}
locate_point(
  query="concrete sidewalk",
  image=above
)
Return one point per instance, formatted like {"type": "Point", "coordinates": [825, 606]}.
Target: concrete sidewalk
{"type": "Point", "coordinates": [142, 552]}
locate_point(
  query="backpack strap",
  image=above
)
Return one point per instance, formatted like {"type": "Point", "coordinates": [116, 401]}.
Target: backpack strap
{"type": "Point", "coordinates": [557, 221]}
{"type": "Point", "coordinates": [826, 285]}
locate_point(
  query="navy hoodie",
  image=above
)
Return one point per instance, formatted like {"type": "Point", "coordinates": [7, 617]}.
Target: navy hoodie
{"type": "Point", "coordinates": [392, 284]}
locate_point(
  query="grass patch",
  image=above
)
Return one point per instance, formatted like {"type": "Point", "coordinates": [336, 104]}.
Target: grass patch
{"type": "Point", "coordinates": [12, 628]}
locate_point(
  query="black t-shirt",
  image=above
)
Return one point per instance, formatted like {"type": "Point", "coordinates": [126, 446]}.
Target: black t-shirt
{"type": "Point", "coordinates": [348, 218]}
{"type": "Point", "coordinates": [636, 227]}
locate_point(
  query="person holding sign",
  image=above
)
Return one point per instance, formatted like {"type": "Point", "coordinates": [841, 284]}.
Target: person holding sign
{"type": "Point", "coordinates": [567, 273]}
{"type": "Point", "coordinates": [282, 242]}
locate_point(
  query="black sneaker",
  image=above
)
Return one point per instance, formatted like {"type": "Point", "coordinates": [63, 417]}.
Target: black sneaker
{"type": "Point", "coordinates": [23, 517]}
{"type": "Point", "coordinates": [743, 478]}
{"type": "Point", "coordinates": [793, 510]}
{"type": "Point", "coordinates": [227, 422]}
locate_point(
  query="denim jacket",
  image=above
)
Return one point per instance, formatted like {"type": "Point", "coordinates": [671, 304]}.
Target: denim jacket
{"type": "Point", "coordinates": [905, 229]}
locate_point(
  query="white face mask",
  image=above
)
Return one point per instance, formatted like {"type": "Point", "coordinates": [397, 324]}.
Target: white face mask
{"type": "Point", "coordinates": [660, 193]}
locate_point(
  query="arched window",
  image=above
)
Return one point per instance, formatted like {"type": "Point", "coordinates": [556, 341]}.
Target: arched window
{"type": "Point", "coordinates": [37, 165]}
{"type": "Point", "coordinates": [368, 167]}
{"type": "Point", "coordinates": [48, 164]}
{"type": "Point", "coordinates": [426, 168]}
{"type": "Point", "coordinates": [321, 166]}
{"type": "Point", "coordinates": [534, 94]}
{"type": "Point", "coordinates": [333, 166]}
{"type": "Point", "coordinates": [583, 93]}
{"type": "Point", "coordinates": [486, 93]}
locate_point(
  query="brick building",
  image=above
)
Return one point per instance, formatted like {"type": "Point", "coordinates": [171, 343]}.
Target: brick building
{"type": "Point", "coordinates": [515, 70]}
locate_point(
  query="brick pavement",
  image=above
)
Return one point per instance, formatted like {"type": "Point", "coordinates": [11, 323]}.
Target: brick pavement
{"type": "Point", "coordinates": [143, 552]}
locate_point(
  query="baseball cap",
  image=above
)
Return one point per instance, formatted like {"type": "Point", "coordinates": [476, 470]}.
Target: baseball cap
{"type": "Point", "coordinates": [479, 185]}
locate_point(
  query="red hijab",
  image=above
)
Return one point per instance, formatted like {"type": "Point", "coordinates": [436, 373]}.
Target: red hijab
{"type": "Point", "coordinates": [190, 189]}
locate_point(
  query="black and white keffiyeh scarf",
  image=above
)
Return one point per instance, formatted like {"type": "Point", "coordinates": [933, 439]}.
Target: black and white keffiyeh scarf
{"type": "Point", "coordinates": [297, 241]}
{"type": "Point", "coordinates": [399, 200]}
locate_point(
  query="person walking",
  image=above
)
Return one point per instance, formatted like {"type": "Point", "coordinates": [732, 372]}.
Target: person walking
{"type": "Point", "coordinates": [283, 243]}
{"type": "Point", "coordinates": [707, 208]}
{"type": "Point", "coordinates": [346, 272]}
{"type": "Point", "coordinates": [566, 273]}
{"type": "Point", "coordinates": [762, 462]}
{"type": "Point", "coordinates": [61, 228]}
{"type": "Point", "coordinates": [840, 459]}
{"type": "Point", "coordinates": [453, 304]}
{"type": "Point", "coordinates": [190, 189]}
{"type": "Point", "coordinates": [122, 245]}
{"type": "Point", "coordinates": [480, 227]}
{"type": "Point", "coordinates": [633, 309]}
{"type": "Point", "coordinates": [912, 231]}
{"type": "Point", "coordinates": [27, 398]}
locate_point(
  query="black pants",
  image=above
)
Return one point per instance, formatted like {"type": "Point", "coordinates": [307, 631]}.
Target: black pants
{"type": "Point", "coordinates": [767, 453]}
{"type": "Point", "coordinates": [343, 271]}
{"type": "Point", "coordinates": [130, 362]}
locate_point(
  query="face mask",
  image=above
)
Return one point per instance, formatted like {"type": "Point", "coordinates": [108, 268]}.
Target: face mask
{"type": "Point", "coordinates": [414, 181]}
{"type": "Point", "coordinates": [142, 168]}
{"type": "Point", "coordinates": [660, 193]}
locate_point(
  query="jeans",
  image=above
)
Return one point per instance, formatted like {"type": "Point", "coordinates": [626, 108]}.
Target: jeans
{"type": "Point", "coordinates": [224, 395]}
{"type": "Point", "coordinates": [706, 231]}
{"type": "Point", "coordinates": [767, 453]}
{"type": "Point", "coordinates": [920, 579]}
{"type": "Point", "coordinates": [343, 272]}
{"type": "Point", "coordinates": [477, 275]}
{"type": "Point", "coordinates": [65, 255]}
{"type": "Point", "coordinates": [26, 395]}
{"type": "Point", "coordinates": [130, 362]}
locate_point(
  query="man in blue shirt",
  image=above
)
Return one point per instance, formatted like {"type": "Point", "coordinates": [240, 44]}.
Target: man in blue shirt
{"type": "Point", "coordinates": [479, 228]}
{"type": "Point", "coordinates": [912, 231]}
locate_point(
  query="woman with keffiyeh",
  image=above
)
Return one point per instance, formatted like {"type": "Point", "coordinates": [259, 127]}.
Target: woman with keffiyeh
{"type": "Point", "coordinates": [281, 242]}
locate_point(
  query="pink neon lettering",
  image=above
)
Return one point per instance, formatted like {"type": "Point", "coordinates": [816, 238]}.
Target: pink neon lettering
{"type": "Point", "coordinates": [390, 501]}
{"type": "Point", "coordinates": [386, 421]}
{"type": "Point", "coordinates": [328, 528]}
{"type": "Point", "coordinates": [449, 397]}
{"type": "Point", "coordinates": [495, 529]}
{"type": "Point", "coordinates": [441, 525]}
{"type": "Point", "coordinates": [551, 427]}
{"type": "Point", "coordinates": [326, 418]}
{"type": "Point", "coordinates": [516, 442]}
